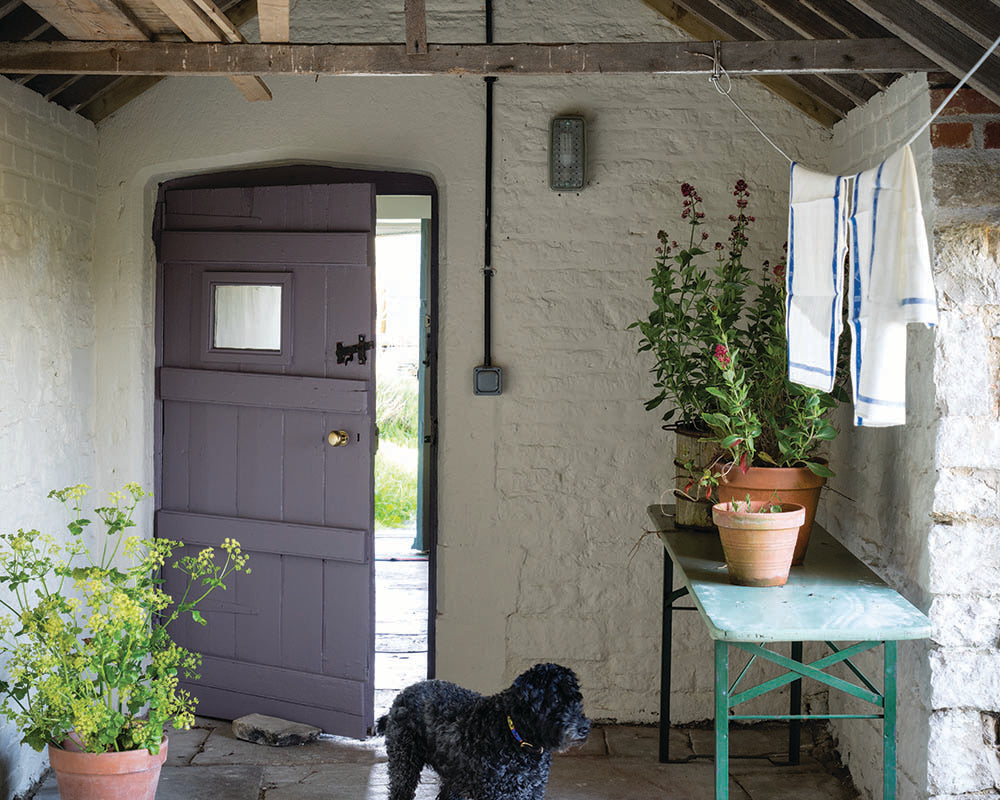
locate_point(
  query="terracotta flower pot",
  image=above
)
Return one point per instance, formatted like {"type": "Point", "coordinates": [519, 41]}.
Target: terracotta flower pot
{"type": "Point", "coordinates": [788, 484]}
{"type": "Point", "coordinates": [758, 546]}
{"type": "Point", "coordinates": [130, 775]}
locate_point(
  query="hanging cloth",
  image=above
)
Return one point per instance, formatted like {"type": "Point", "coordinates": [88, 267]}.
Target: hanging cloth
{"type": "Point", "coordinates": [817, 244]}
{"type": "Point", "coordinates": [891, 285]}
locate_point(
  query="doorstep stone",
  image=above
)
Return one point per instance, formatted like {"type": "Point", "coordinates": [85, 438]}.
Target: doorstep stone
{"type": "Point", "coordinates": [272, 731]}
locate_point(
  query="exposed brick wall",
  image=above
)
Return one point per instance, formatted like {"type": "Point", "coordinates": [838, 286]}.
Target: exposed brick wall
{"type": "Point", "coordinates": [47, 187]}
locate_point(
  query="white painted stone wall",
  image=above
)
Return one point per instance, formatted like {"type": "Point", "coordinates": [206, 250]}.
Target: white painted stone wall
{"type": "Point", "coordinates": [47, 355]}
{"type": "Point", "coordinates": [543, 490]}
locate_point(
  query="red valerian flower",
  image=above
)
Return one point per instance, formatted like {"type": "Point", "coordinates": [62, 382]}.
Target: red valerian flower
{"type": "Point", "coordinates": [740, 187]}
{"type": "Point", "coordinates": [687, 189]}
{"type": "Point", "coordinates": [722, 355]}
{"type": "Point", "coordinates": [779, 270]}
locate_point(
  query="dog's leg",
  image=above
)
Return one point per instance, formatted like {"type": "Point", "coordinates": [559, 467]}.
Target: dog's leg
{"type": "Point", "coordinates": [405, 762]}
{"type": "Point", "coordinates": [447, 793]}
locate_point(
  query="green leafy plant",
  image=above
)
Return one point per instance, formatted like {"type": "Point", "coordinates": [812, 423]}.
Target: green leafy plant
{"type": "Point", "coordinates": [746, 506]}
{"type": "Point", "coordinates": [721, 359]}
{"type": "Point", "coordinates": [396, 410]}
{"type": "Point", "coordinates": [88, 653]}
{"type": "Point", "coordinates": [395, 489]}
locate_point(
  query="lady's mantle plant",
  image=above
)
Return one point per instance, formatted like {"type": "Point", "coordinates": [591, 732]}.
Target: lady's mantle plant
{"type": "Point", "coordinates": [721, 360]}
{"type": "Point", "coordinates": [86, 639]}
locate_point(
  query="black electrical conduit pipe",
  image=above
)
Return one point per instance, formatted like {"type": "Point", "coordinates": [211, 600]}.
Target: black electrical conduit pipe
{"type": "Point", "coordinates": [488, 211]}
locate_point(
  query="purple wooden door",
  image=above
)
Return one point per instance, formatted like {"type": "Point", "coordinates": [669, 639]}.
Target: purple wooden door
{"type": "Point", "coordinates": [258, 288]}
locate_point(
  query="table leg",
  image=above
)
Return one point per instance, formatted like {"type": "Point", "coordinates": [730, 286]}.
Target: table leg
{"type": "Point", "coordinates": [666, 645]}
{"type": "Point", "coordinates": [795, 709]}
{"type": "Point", "coordinates": [721, 720]}
{"type": "Point", "coordinates": [889, 723]}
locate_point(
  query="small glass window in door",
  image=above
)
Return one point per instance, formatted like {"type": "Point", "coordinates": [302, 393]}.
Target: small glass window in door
{"type": "Point", "coordinates": [248, 317]}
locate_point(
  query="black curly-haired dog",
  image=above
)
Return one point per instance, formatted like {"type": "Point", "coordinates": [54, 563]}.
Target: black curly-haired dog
{"type": "Point", "coordinates": [484, 748]}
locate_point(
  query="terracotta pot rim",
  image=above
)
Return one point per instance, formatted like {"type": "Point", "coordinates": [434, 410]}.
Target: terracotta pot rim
{"type": "Point", "coordinates": [792, 515]}
{"type": "Point", "coordinates": [83, 762]}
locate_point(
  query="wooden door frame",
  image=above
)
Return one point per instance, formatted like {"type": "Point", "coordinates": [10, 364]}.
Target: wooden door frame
{"type": "Point", "coordinates": [386, 183]}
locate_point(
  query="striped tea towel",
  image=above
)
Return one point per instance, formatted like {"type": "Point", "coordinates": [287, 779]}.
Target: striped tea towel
{"type": "Point", "coordinates": [817, 244]}
{"type": "Point", "coordinates": [891, 285]}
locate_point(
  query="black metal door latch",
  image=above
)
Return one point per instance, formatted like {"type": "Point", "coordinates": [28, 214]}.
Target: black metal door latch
{"type": "Point", "coordinates": [345, 355]}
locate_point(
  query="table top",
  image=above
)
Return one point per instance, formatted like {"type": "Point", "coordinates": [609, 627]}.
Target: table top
{"type": "Point", "coordinates": [831, 597]}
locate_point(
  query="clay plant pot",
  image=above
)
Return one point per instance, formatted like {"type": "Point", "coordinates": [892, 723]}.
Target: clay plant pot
{"type": "Point", "coordinates": [129, 775]}
{"type": "Point", "coordinates": [758, 546]}
{"type": "Point", "coordinates": [696, 512]}
{"type": "Point", "coordinates": [782, 484]}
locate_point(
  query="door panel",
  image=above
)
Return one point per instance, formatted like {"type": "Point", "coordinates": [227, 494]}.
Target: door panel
{"type": "Point", "coordinates": [245, 452]}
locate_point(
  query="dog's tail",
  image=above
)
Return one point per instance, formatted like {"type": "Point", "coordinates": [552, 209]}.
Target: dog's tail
{"type": "Point", "coordinates": [381, 725]}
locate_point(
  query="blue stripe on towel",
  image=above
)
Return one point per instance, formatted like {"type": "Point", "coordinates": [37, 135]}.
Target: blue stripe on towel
{"type": "Point", "coordinates": [807, 368]}
{"type": "Point", "coordinates": [856, 302]}
{"type": "Point", "coordinates": [790, 267]}
{"type": "Point", "coordinates": [876, 402]}
{"type": "Point", "coordinates": [917, 301]}
{"type": "Point", "coordinates": [834, 310]}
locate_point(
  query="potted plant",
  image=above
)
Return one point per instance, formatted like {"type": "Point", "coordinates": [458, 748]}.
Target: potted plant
{"type": "Point", "coordinates": [758, 539]}
{"type": "Point", "coordinates": [91, 670]}
{"type": "Point", "coordinates": [763, 432]}
{"type": "Point", "coordinates": [675, 332]}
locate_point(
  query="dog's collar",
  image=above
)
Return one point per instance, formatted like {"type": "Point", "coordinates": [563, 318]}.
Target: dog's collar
{"type": "Point", "coordinates": [517, 736]}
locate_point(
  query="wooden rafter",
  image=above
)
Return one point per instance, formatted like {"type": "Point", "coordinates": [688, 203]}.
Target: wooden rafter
{"type": "Point", "coordinates": [807, 23]}
{"type": "Point", "coordinates": [930, 33]}
{"type": "Point", "coordinates": [790, 89]}
{"type": "Point", "coordinates": [415, 12]}
{"type": "Point", "coordinates": [121, 91]}
{"type": "Point", "coordinates": [796, 57]}
{"type": "Point", "coordinates": [272, 17]}
{"type": "Point", "coordinates": [202, 21]}
{"type": "Point", "coordinates": [90, 19]}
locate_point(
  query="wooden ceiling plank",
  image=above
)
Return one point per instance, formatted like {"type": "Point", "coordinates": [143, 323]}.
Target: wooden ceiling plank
{"type": "Point", "coordinates": [794, 57]}
{"type": "Point", "coordinates": [787, 88]}
{"type": "Point", "coordinates": [807, 23]}
{"type": "Point", "coordinates": [89, 19]}
{"type": "Point", "coordinates": [201, 25]}
{"type": "Point", "coordinates": [415, 12]}
{"type": "Point", "coordinates": [758, 19]}
{"type": "Point", "coordinates": [977, 19]}
{"type": "Point", "coordinates": [272, 18]}
{"type": "Point", "coordinates": [928, 33]}
{"type": "Point", "coordinates": [124, 90]}
{"type": "Point", "coordinates": [841, 14]}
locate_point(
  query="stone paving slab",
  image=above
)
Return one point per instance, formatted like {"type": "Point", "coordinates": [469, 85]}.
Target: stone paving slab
{"type": "Point", "coordinates": [595, 778]}
{"type": "Point", "coordinates": [222, 747]}
{"type": "Point", "coordinates": [633, 741]}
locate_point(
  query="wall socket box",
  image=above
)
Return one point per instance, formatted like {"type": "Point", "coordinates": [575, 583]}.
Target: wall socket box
{"type": "Point", "coordinates": [487, 380]}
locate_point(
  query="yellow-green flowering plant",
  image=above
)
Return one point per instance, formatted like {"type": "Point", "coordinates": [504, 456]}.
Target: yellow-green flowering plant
{"type": "Point", "coordinates": [88, 653]}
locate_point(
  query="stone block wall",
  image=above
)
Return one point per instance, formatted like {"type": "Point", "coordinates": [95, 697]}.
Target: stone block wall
{"type": "Point", "coordinates": [964, 541]}
{"type": "Point", "coordinates": [47, 186]}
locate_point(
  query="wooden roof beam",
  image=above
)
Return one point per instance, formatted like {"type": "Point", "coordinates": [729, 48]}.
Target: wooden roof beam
{"type": "Point", "coordinates": [202, 21]}
{"type": "Point", "coordinates": [795, 57]}
{"type": "Point", "coordinates": [789, 89]}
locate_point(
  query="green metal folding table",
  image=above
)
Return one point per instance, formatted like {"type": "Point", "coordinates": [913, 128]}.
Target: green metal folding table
{"type": "Point", "coordinates": [832, 597]}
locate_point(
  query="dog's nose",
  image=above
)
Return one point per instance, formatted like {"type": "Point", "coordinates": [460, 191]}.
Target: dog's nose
{"type": "Point", "coordinates": [583, 729]}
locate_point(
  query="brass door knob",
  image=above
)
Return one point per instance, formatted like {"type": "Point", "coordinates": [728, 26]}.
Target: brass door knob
{"type": "Point", "coordinates": [337, 438]}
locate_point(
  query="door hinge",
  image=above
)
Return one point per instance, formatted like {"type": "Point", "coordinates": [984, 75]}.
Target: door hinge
{"type": "Point", "coordinates": [345, 355]}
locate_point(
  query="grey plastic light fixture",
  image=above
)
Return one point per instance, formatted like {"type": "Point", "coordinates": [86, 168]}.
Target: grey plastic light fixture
{"type": "Point", "coordinates": [567, 153]}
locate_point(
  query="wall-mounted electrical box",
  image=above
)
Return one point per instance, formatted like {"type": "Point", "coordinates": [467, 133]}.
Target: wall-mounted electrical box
{"type": "Point", "coordinates": [487, 380]}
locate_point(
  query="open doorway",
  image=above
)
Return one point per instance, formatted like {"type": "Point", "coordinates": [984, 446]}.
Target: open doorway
{"type": "Point", "coordinates": [402, 249]}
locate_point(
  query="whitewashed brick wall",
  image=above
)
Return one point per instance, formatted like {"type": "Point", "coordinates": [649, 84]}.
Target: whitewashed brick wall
{"type": "Point", "coordinates": [47, 186]}
{"type": "Point", "coordinates": [542, 490]}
